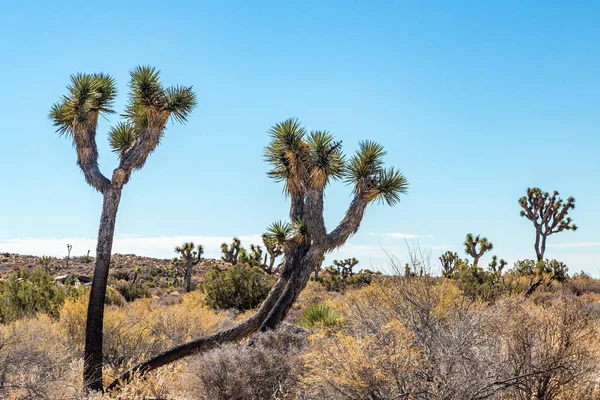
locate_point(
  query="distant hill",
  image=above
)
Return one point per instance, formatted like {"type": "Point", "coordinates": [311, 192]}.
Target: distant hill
{"type": "Point", "coordinates": [83, 265]}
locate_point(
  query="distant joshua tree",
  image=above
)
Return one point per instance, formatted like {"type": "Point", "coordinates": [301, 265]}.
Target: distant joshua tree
{"type": "Point", "coordinates": [548, 214]}
{"type": "Point", "coordinates": [471, 243]}
{"type": "Point", "coordinates": [344, 267]}
{"type": "Point", "coordinates": [449, 261]}
{"type": "Point", "coordinates": [69, 248]}
{"type": "Point", "coordinates": [75, 115]}
{"type": "Point", "coordinates": [306, 163]}
{"type": "Point", "coordinates": [231, 253]}
{"type": "Point", "coordinates": [274, 249]}
{"type": "Point", "coordinates": [189, 257]}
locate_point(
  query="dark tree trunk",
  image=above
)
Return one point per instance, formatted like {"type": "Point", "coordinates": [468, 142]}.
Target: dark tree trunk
{"type": "Point", "coordinates": [92, 370]}
{"type": "Point", "coordinates": [188, 276]}
{"type": "Point", "coordinates": [296, 284]}
{"type": "Point", "coordinates": [543, 249]}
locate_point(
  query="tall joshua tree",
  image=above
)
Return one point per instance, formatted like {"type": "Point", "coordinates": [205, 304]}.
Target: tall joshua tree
{"type": "Point", "coordinates": [189, 257]}
{"type": "Point", "coordinates": [548, 214]}
{"type": "Point", "coordinates": [75, 115]}
{"type": "Point", "coordinates": [306, 163]}
{"type": "Point", "coordinates": [471, 243]}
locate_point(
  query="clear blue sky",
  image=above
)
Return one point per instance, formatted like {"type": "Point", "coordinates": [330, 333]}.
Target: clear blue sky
{"type": "Point", "coordinates": [474, 103]}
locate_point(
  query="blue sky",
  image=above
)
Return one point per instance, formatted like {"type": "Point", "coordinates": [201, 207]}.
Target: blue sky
{"type": "Point", "coordinates": [473, 102]}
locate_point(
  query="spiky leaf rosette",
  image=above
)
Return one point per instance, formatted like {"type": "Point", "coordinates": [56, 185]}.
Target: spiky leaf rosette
{"type": "Point", "coordinates": [367, 172]}
{"type": "Point", "coordinates": [89, 95]}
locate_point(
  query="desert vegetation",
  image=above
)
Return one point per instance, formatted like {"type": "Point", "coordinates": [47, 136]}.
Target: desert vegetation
{"type": "Point", "coordinates": [271, 320]}
{"type": "Point", "coordinates": [416, 336]}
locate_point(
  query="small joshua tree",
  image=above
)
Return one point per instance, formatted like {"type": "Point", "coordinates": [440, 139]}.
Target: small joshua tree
{"type": "Point", "coordinates": [189, 257]}
{"type": "Point", "coordinates": [75, 115]}
{"type": "Point", "coordinates": [344, 267]}
{"type": "Point", "coordinates": [449, 260]}
{"type": "Point", "coordinates": [231, 253]}
{"type": "Point", "coordinates": [495, 267]}
{"type": "Point", "coordinates": [548, 214]}
{"type": "Point", "coordinates": [46, 263]}
{"type": "Point", "coordinates": [471, 243]}
{"type": "Point", "coordinates": [306, 163]}
{"type": "Point", "coordinates": [274, 250]}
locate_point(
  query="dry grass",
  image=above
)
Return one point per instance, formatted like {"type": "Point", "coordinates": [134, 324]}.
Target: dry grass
{"type": "Point", "coordinates": [416, 338]}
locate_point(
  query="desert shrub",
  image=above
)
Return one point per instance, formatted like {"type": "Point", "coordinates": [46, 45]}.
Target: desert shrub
{"type": "Point", "coordinates": [33, 360]}
{"type": "Point", "coordinates": [550, 350]}
{"type": "Point", "coordinates": [333, 280]}
{"type": "Point", "coordinates": [583, 283]}
{"type": "Point", "coordinates": [238, 287]}
{"type": "Point", "coordinates": [141, 328]}
{"type": "Point", "coordinates": [132, 290]}
{"type": "Point", "coordinates": [27, 293]}
{"type": "Point", "coordinates": [269, 369]}
{"type": "Point", "coordinates": [404, 337]}
{"type": "Point", "coordinates": [320, 315]}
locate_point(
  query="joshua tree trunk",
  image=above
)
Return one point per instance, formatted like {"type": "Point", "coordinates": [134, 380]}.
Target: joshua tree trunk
{"type": "Point", "coordinates": [188, 276]}
{"type": "Point", "coordinates": [542, 249]}
{"type": "Point", "coordinates": [238, 332]}
{"type": "Point", "coordinates": [538, 252]}
{"type": "Point", "coordinates": [92, 372]}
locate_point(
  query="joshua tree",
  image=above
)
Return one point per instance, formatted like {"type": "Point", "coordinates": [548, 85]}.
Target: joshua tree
{"type": "Point", "coordinates": [274, 250]}
{"type": "Point", "coordinates": [75, 116]}
{"type": "Point", "coordinates": [306, 163]}
{"type": "Point", "coordinates": [495, 269]}
{"type": "Point", "coordinates": [448, 260]}
{"type": "Point", "coordinates": [471, 243]}
{"type": "Point", "coordinates": [188, 259]}
{"type": "Point", "coordinates": [231, 253]}
{"type": "Point", "coordinates": [344, 267]}
{"type": "Point", "coordinates": [69, 248]}
{"type": "Point", "coordinates": [548, 214]}
{"type": "Point", "coordinates": [46, 263]}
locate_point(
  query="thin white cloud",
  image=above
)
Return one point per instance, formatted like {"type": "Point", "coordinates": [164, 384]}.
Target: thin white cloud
{"type": "Point", "coordinates": [574, 245]}
{"type": "Point", "coordinates": [399, 235]}
{"type": "Point", "coordinates": [158, 247]}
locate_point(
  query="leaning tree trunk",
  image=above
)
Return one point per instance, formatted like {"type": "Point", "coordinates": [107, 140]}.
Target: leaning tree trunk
{"type": "Point", "coordinates": [294, 277]}
{"type": "Point", "coordinates": [92, 370]}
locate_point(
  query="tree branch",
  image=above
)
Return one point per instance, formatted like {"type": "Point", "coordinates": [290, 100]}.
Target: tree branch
{"type": "Point", "coordinates": [350, 224]}
{"type": "Point", "coordinates": [87, 155]}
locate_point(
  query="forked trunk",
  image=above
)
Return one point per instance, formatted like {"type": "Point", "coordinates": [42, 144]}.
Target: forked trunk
{"type": "Point", "coordinates": [294, 276]}
{"type": "Point", "coordinates": [92, 369]}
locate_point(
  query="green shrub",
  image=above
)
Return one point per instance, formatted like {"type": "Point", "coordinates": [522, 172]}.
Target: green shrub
{"type": "Point", "coordinates": [132, 290]}
{"type": "Point", "coordinates": [333, 281]}
{"type": "Point", "coordinates": [320, 315]}
{"type": "Point", "coordinates": [26, 293]}
{"type": "Point", "coordinates": [238, 287]}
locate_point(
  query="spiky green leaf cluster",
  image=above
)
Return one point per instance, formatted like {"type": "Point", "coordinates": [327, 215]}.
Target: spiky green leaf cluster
{"type": "Point", "coordinates": [147, 96]}
{"type": "Point", "coordinates": [302, 160]}
{"type": "Point", "coordinates": [121, 137]}
{"type": "Point", "coordinates": [89, 95]}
